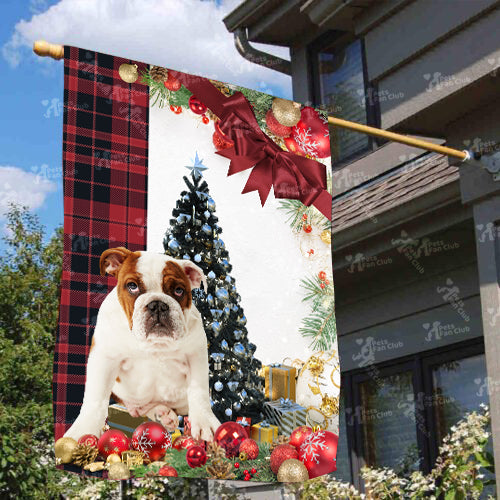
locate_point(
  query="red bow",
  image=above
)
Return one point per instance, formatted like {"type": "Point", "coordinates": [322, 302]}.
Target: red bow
{"type": "Point", "coordinates": [291, 176]}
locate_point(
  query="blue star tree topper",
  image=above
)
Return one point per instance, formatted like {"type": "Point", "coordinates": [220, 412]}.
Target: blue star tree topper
{"type": "Point", "coordinates": [197, 167]}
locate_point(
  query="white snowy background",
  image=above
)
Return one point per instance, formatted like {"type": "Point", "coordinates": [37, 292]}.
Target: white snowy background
{"type": "Point", "coordinates": [264, 251]}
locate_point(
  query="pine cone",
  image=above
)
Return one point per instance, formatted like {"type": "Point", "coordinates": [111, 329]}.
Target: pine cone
{"type": "Point", "coordinates": [222, 87]}
{"type": "Point", "coordinates": [158, 74]}
{"type": "Point", "coordinates": [220, 469]}
{"type": "Point", "coordinates": [215, 451]}
{"type": "Point", "coordinates": [277, 442]}
{"type": "Point", "coordinates": [84, 455]}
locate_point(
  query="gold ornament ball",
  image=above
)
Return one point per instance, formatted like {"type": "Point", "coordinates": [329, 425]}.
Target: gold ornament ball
{"type": "Point", "coordinates": [292, 471]}
{"type": "Point", "coordinates": [118, 470]}
{"type": "Point", "coordinates": [113, 459]}
{"type": "Point", "coordinates": [286, 112]}
{"type": "Point", "coordinates": [64, 449]}
{"type": "Point", "coordinates": [128, 72]}
{"type": "Point", "coordinates": [326, 237]}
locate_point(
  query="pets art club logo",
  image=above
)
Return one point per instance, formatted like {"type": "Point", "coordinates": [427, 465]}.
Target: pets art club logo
{"type": "Point", "coordinates": [438, 81]}
{"type": "Point", "coordinates": [487, 232]}
{"type": "Point", "coordinates": [494, 315]}
{"type": "Point", "coordinates": [347, 179]}
{"type": "Point", "coordinates": [369, 348]}
{"type": "Point", "coordinates": [361, 414]}
{"type": "Point", "coordinates": [415, 248]}
{"type": "Point", "coordinates": [486, 386]}
{"type": "Point", "coordinates": [437, 330]}
{"type": "Point", "coordinates": [450, 293]}
{"type": "Point", "coordinates": [373, 96]}
{"type": "Point", "coordinates": [360, 262]}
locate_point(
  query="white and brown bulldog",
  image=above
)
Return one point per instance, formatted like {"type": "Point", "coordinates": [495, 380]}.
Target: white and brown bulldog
{"type": "Point", "coordinates": [149, 349]}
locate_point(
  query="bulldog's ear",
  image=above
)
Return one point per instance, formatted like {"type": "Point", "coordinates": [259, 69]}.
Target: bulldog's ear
{"type": "Point", "coordinates": [194, 274]}
{"type": "Point", "coordinates": [112, 259]}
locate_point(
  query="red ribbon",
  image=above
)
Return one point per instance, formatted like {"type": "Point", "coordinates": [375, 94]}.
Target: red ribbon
{"type": "Point", "coordinates": [291, 176]}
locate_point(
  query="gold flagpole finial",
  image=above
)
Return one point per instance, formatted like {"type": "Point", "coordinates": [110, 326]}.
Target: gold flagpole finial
{"type": "Point", "coordinates": [43, 49]}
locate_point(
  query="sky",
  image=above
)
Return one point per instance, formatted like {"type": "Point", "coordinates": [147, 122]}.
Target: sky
{"type": "Point", "coordinates": [31, 87]}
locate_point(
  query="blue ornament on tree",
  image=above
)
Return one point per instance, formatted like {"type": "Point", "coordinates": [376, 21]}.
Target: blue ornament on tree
{"type": "Point", "coordinates": [216, 326]}
{"type": "Point", "coordinates": [210, 299]}
{"type": "Point", "coordinates": [218, 386]}
{"type": "Point", "coordinates": [174, 246]}
{"type": "Point", "coordinates": [211, 275]}
{"type": "Point", "coordinates": [207, 214]}
{"type": "Point", "coordinates": [232, 385]}
{"type": "Point", "coordinates": [224, 345]}
{"type": "Point", "coordinates": [197, 258]}
{"type": "Point", "coordinates": [242, 321]}
{"type": "Point", "coordinates": [238, 334]}
{"type": "Point", "coordinates": [239, 349]}
{"type": "Point", "coordinates": [188, 238]}
{"type": "Point", "coordinates": [206, 229]}
{"type": "Point", "coordinates": [228, 412]}
{"type": "Point", "coordinates": [186, 257]}
{"type": "Point", "coordinates": [211, 204]}
{"type": "Point", "coordinates": [222, 294]}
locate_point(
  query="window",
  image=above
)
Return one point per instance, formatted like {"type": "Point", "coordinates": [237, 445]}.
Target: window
{"type": "Point", "coordinates": [339, 85]}
{"type": "Point", "coordinates": [397, 413]}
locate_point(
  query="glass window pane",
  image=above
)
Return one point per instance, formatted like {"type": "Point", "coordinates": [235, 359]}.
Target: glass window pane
{"type": "Point", "coordinates": [342, 90]}
{"type": "Point", "coordinates": [343, 472]}
{"type": "Point", "coordinates": [459, 387]}
{"type": "Point", "coordinates": [389, 428]}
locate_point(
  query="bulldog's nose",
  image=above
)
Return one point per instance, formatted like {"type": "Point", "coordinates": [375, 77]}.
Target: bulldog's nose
{"type": "Point", "coordinates": [157, 306]}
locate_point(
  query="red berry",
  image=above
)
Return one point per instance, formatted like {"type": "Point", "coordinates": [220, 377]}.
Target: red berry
{"type": "Point", "coordinates": [245, 472]}
{"type": "Point", "coordinates": [176, 109]}
{"type": "Point", "coordinates": [327, 282]}
{"type": "Point", "coordinates": [237, 465]}
{"type": "Point", "coordinates": [322, 275]}
{"type": "Point", "coordinates": [205, 119]}
{"type": "Point", "coordinates": [304, 217]}
{"type": "Point", "coordinates": [253, 471]}
{"type": "Point", "coordinates": [307, 228]}
{"type": "Point", "coordinates": [322, 285]}
{"type": "Point", "coordinates": [246, 478]}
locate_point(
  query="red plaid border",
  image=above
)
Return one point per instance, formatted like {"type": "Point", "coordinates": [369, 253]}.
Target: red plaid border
{"type": "Point", "coordinates": [105, 162]}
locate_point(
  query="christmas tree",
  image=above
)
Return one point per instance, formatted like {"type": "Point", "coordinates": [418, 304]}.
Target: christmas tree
{"type": "Point", "coordinates": [236, 389]}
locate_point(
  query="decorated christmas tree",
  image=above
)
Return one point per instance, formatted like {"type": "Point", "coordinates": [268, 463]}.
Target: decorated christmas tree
{"type": "Point", "coordinates": [235, 386]}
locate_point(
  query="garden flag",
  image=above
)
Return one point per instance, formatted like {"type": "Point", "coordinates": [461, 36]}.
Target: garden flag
{"type": "Point", "coordinates": [197, 332]}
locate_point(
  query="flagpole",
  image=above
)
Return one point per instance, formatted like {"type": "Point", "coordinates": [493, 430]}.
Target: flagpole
{"type": "Point", "coordinates": [45, 49]}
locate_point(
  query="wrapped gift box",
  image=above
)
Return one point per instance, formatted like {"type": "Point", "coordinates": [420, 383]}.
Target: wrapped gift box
{"type": "Point", "coordinates": [119, 418]}
{"type": "Point", "coordinates": [286, 414]}
{"type": "Point", "coordinates": [246, 423]}
{"type": "Point", "coordinates": [280, 381]}
{"type": "Point", "coordinates": [174, 435]}
{"type": "Point", "coordinates": [264, 432]}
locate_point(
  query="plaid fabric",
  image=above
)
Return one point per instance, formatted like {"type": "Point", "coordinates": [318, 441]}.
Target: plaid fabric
{"type": "Point", "coordinates": [105, 163]}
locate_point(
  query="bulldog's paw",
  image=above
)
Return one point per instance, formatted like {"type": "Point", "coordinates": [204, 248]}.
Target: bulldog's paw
{"type": "Point", "coordinates": [203, 425]}
{"type": "Point", "coordinates": [165, 416]}
{"type": "Point", "coordinates": [84, 426]}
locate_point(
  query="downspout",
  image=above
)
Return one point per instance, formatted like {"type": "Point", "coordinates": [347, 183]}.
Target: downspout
{"type": "Point", "coordinates": [257, 56]}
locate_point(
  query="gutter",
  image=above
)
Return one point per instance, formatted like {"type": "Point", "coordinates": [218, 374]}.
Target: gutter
{"type": "Point", "coordinates": [258, 56]}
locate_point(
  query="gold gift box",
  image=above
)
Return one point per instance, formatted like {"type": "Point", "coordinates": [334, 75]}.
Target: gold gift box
{"type": "Point", "coordinates": [280, 381]}
{"type": "Point", "coordinates": [119, 418]}
{"type": "Point", "coordinates": [266, 434]}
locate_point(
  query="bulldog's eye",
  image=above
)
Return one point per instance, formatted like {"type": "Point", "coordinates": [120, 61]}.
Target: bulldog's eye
{"type": "Point", "coordinates": [132, 287]}
{"type": "Point", "coordinates": [179, 291]}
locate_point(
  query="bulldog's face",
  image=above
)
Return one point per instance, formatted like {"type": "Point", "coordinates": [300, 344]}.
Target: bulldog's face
{"type": "Point", "coordinates": [154, 291]}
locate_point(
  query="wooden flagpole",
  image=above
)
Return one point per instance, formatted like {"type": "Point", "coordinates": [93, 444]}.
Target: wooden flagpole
{"type": "Point", "coordinates": [45, 49]}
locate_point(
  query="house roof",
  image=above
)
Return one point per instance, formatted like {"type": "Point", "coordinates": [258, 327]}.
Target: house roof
{"type": "Point", "coordinates": [400, 186]}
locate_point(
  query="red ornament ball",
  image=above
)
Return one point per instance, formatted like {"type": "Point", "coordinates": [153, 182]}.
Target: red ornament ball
{"type": "Point", "coordinates": [292, 146]}
{"type": "Point", "coordinates": [253, 471]}
{"type": "Point", "coordinates": [246, 478]}
{"type": "Point", "coordinates": [230, 436]}
{"type": "Point", "coordinates": [221, 141]}
{"type": "Point", "coordinates": [196, 106]}
{"type": "Point", "coordinates": [168, 471]}
{"type": "Point", "coordinates": [281, 453]}
{"type": "Point", "coordinates": [319, 453]}
{"type": "Point", "coordinates": [307, 228]}
{"type": "Point", "coordinates": [196, 456]}
{"type": "Point", "coordinates": [275, 126]}
{"type": "Point", "coordinates": [237, 465]}
{"type": "Point", "coordinates": [171, 83]}
{"type": "Point", "coordinates": [176, 109]}
{"type": "Point", "coordinates": [184, 442]}
{"type": "Point", "coordinates": [298, 436]}
{"type": "Point", "coordinates": [205, 119]}
{"type": "Point", "coordinates": [112, 441]}
{"type": "Point", "coordinates": [152, 439]}
{"type": "Point", "coordinates": [322, 275]}
{"type": "Point", "coordinates": [250, 447]}
{"type": "Point", "coordinates": [311, 134]}
{"type": "Point", "coordinates": [89, 440]}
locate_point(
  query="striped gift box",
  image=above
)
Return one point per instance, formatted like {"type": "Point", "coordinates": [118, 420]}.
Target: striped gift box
{"type": "Point", "coordinates": [286, 414]}
{"type": "Point", "coordinates": [279, 381]}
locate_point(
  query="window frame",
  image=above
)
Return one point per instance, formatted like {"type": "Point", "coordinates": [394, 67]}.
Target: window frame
{"type": "Point", "coordinates": [420, 364]}
{"type": "Point", "coordinates": [338, 39]}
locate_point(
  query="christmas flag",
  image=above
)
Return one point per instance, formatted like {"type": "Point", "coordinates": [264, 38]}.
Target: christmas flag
{"type": "Point", "coordinates": [196, 272]}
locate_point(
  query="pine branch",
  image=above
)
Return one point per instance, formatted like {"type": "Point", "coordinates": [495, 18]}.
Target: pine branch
{"type": "Point", "coordinates": [161, 96]}
{"type": "Point", "coordinates": [320, 327]}
{"type": "Point", "coordinates": [295, 210]}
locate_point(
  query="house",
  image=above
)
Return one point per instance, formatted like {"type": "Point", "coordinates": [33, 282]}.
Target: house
{"type": "Point", "coordinates": [416, 246]}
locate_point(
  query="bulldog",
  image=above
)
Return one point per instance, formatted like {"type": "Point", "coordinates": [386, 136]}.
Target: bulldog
{"type": "Point", "coordinates": [149, 349]}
